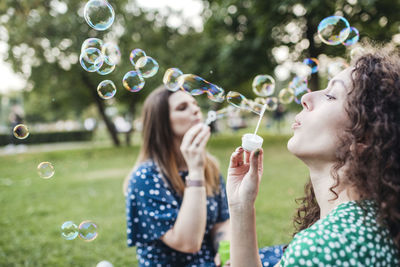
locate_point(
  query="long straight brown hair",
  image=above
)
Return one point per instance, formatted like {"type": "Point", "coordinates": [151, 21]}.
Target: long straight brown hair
{"type": "Point", "coordinates": [158, 145]}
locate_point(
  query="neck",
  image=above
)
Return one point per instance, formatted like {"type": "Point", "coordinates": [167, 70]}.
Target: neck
{"type": "Point", "coordinates": [322, 180]}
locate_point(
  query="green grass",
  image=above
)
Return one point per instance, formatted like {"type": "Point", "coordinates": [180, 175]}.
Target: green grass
{"type": "Point", "coordinates": [87, 185]}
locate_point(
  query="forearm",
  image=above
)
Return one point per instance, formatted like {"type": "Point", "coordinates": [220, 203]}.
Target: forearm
{"type": "Point", "coordinates": [243, 247]}
{"type": "Point", "coordinates": [191, 222]}
{"type": "Point", "coordinates": [220, 233]}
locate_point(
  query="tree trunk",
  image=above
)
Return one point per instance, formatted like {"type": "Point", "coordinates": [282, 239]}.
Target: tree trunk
{"type": "Point", "coordinates": [100, 106]}
{"type": "Point", "coordinates": [313, 83]}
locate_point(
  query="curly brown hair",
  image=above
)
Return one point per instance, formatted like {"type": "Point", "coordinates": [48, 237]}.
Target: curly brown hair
{"type": "Point", "coordinates": [373, 107]}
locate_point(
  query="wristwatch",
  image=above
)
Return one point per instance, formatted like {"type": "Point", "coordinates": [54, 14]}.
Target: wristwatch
{"type": "Point", "coordinates": [195, 183]}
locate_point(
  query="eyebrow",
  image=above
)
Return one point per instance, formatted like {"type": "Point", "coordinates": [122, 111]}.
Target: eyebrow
{"type": "Point", "coordinates": [339, 81]}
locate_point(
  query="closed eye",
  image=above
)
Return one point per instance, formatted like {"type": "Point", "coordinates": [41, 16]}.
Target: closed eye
{"type": "Point", "coordinates": [330, 97]}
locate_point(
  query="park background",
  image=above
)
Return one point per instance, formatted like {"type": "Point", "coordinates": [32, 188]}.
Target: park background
{"type": "Point", "coordinates": [93, 143]}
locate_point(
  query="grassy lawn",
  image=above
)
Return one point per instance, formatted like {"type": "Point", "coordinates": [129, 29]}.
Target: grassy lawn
{"type": "Point", "coordinates": [87, 185]}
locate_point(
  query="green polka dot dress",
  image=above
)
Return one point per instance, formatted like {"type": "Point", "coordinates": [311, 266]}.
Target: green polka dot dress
{"type": "Point", "coordinates": [347, 236]}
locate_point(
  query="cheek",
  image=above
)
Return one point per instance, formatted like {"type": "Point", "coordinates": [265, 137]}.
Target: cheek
{"type": "Point", "coordinates": [179, 124]}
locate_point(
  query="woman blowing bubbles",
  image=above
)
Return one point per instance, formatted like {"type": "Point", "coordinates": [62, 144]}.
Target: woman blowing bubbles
{"type": "Point", "coordinates": [348, 135]}
{"type": "Point", "coordinates": [177, 211]}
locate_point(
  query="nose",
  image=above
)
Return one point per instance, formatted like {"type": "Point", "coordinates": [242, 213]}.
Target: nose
{"type": "Point", "coordinates": [195, 109]}
{"type": "Point", "coordinates": [306, 101]}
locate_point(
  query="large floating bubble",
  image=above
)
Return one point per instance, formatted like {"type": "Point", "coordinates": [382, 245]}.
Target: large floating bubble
{"type": "Point", "coordinates": [263, 85]}
{"type": "Point", "coordinates": [45, 170]}
{"type": "Point", "coordinates": [133, 81]}
{"type": "Point", "coordinates": [91, 59]}
{"type": "Point", "coordinates": [196, 85]}
{"type": "Point", "coordinates": [20, 131]}
{"type": "Point", "coordinates": [333, 30]}
{"type": "Point", "coordinates": [148, 66]}
{"type": "Point", "coordinates": [170, 78]}
{"type": "Point", "coordinates": [286, 95]}
{"type": "Point", "coordinates": [88, 231]}
{"type": "Point", "coordinates": [135, 55]}
{"type": "Point", "coordinates": [106, 89]}
{"type": "Point", "coordinates": [112, 53]}
{"type": "Point", "coordinates": [99, 14]}
{"type": "Point", "coordinates": [353, 37]}
{"type": "Point", "coordinates": [92, 43]}
{"type": "Point", "coordinates": [312, 65]}
{"type": "Point", "coordinates": [69, 230]}
{"type": "Point", "coordinates": [107, 67]}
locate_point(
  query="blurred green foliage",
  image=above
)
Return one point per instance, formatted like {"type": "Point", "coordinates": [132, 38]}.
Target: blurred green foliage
{"type": "Point", "coordinates": [44, 39]}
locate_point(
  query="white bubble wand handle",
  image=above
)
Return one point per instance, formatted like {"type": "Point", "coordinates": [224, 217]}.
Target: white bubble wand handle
{"type": "Point", "coordinates": [261, 116]}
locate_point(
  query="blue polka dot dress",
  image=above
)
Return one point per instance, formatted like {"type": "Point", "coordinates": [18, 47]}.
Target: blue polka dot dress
{"type": "Point", "coordinates": [348, 236]}
{"type": "Point", "coordinates": [152, 207]}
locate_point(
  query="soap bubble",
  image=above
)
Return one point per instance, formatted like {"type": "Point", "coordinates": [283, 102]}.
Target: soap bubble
{"type": "Point", "coordinates": [286, 95]}
{"type": "Point", "coordinates": [148, 66]}
{"type": "Point", "coordinates": [45, 170]}
{"type": "Point", "coordinates": [104, 264]}
{"type": "Point", "coordinates": [106, 89]}
{"type": "Point", "coordinates": [333, 30]}
{"type": "Point", "coordinates": [135, 55]}
{"type": "Point", "coordinates": [88, 231]}
{"type": "Point", "coordinates": [20, 131]}
{"type": "Point", "coordinates": [263, 85]}
{"type": "Point", "coordinates": [170, 78]}
{"type": "Point", "coordinates": [91, 59]}
{"type": "Point", "coordinates": [299, 86]}
{"type": "Point", "coordinates": [312, 65]}
{"type": "Point", "coordinates": [258, 104]}
{"type": "Point", "coordinates": [238, 100]}
{"type": "Point", "coordinates": [92, 43]}
{"type": "Point", "coordinates": [353, 37]}
{"type": "Point", "coordinates": [335, 68]}
{"type": "Point", "coordinates": [69, 230]}
{"type": "Point", "coordinates": [107, 67]}
{"type": "Point", "coordinates": [272, 103]}
{"type": "Point", "coordinates": [112, 52]}
{"type": "Point", "coordinates": [99, 14]}
{"type": "Point", "coordinates": [196, 85]}
{"type": "Point", "coordinates": [133, 81]}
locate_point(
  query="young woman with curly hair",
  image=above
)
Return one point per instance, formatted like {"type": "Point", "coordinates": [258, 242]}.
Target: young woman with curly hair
{"type": "Point", "coordinates": [348, 135]}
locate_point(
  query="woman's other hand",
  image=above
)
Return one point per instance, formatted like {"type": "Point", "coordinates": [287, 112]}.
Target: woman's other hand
{"type": "Point", "coordinates": [193, 147]}
{"type": "Point", "coordinates": [244, 176]}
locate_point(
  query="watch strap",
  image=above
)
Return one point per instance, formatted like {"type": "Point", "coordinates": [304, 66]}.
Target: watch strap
{"type": "Point", "coordinates": [195, 183]}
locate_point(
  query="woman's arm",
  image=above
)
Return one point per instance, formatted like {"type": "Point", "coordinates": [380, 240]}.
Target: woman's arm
{"type": "Point", "coordinates": [188, 231]}
{"type": "Point", "coordinates": [243, 182]}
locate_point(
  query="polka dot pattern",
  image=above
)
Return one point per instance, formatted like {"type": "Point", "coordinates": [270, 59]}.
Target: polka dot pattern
{"type": "Point", "coordinates": [152, 207]}
{"type": "Point", "coordinates": [348, 236]}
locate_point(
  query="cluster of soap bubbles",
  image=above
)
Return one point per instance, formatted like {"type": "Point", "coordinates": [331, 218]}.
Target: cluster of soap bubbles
{"type": "Point", "coordinates": [100, 57]}
{"type": "Point", "coordinates": [145, 67]}
{"type": "Point", "coordinates": [335, 30]}
{"type": "Point", "coordinates": [174, 79]}
{"type": "Point", "coordinates": [87, 230]}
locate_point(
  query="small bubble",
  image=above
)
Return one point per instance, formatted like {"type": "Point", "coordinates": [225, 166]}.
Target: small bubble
{"type": "Point", "coordinates": [69, 230]}
{"type": "Point", "coordinates": [333, 30]}
{"type": "Point", "coordinates": [20, 131]}
{"type": "Point", "coordinates": [263, 85]}
{"type": "Point", "coordinates": [99, 14]}
{"type": "Point", "coordinates": [106, 89]}
{"type": "Point", "coordinates": [147, 66]}
{"type": "Point", "coordinates": [133, 81]}
{"type": "Point", "coordinates": [45, 170]}
{"type": "Point", "coordinates": [88, 231]}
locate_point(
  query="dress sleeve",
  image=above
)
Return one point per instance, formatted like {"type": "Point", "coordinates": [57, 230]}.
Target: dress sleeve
{"type": "Point", "coordinates": [151, 208]}
{"type": "Point", "coordinates": [223, 212]}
